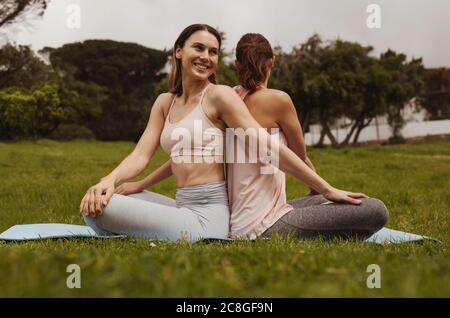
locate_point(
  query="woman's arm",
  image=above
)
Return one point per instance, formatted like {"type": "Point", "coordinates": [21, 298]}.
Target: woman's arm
{"type": "Point", "coordinates": [288, 121]}
{"type": "Point", "coordinates": [232, 110]}
{"type": "Point", "coordinates": [290, 125]}
{"type": "Point", "coordinates": [133, 164]}
{"type": "Point", "coordinates": [156, 176]}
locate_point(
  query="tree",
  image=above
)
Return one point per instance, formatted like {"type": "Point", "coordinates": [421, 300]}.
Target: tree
{"type": "Point", "coordinates": [19, 66]}
{"type": "Point", "coordinates": [18, 11]}
{"type": "Point", "coordinates": [371, 85]}
{"type": "Point", "coordinates": [30, 113]}
{"type": "Point", "coordinates": [343, 70]}
{"type": "Point", "coordinates": [23, 75]}
{"type": "Point", "coordinates": [436, 95]}
{"type": "Point", "coordinates": [296, 73]}
{"type": "Point", "coordinates": [341, 80]}
{"type": "Point", "coordinates": [329, 81]}
{"type": "Point", "coordinates": [405, 82]}
{"type": "Point", "coordinates": [127, 72]}
{"type": "Point", "coordinates": [85, 100]}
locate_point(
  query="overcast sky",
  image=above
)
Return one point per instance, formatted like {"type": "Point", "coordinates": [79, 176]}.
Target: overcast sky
{"type": "Point", "coordinates": [418, 28]}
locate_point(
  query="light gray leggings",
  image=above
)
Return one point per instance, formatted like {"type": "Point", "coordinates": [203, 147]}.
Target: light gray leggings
{"type": "Point", "coordinates": [314, 216]}
{"type": "Point", "coordinates": [199, 211]}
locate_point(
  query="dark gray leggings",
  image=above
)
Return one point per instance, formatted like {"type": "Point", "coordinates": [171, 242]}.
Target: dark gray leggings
{"type": "Point", "coordinates": [315, 216]}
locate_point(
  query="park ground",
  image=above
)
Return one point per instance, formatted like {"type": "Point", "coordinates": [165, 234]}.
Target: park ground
{"type": "Point", "coordinates": [43, 182]}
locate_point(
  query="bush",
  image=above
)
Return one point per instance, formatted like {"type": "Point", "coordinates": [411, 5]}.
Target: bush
{"type": "Point", "coordinates": [70, 132]}
{"type": "Point", "coordinates": [30, 113]}
{"type": "Point", "coordinates": [16, 114]}
{"type": "Point", "coordinates": [396, 140]}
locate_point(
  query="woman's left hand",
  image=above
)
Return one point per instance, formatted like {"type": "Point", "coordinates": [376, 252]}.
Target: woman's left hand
{"type": "Point", "coordinates": [93, 201]}
{"type": "Point", "coordinates": [337, 195]}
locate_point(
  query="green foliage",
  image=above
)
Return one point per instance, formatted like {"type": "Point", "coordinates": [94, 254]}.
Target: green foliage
{"type": "Point", "coordinates": [16, 114]}
{"type": "Point", "coordinates": [109, 86]}
{"type": "Point", "coordinates": [404, 83]}
{"type": "Point", "coordinates": [32, 113]}
{"type": "Point", "coordinates": [125, 72]}
{"type": "Point", "coordinates": [20, 67]}
{"type": "Point", "coordinates": [226, 73]}
{"type": "Point", "coordinates": [341, 79]}
{"type": "Point", "coordinates": [298, 74]}
{"type": "Point", "coordinates": [84, 99]}
{"type": "Point", "coordinates": [436, 94]}
{"type": "Point", "coordinates": [329, 81]}
{"type": "Point", "coordinates": [162, 86]}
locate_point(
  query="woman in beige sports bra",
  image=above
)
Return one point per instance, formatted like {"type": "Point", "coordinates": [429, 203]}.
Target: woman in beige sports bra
{"type": "Point", "coordinates": [195, 106]}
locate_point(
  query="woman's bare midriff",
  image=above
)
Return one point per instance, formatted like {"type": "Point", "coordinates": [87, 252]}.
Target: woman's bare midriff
{"type": "Point", "coordinates": [189, 174]}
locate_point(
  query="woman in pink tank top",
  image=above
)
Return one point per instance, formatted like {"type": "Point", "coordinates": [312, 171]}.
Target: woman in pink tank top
{"type": "Point", "coordinates": [258, 201]}
{"type": "Point", "coordinates": [195, 59]}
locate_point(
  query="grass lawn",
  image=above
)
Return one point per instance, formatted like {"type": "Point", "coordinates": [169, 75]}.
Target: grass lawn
{"type": "Point", "coordinates": [44, 181]}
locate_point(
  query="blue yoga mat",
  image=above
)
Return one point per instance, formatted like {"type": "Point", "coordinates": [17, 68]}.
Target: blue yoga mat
{"type": "Point", "coordinates": [42, 231]}
{"type": "Point", "coordinates": [57, 230]}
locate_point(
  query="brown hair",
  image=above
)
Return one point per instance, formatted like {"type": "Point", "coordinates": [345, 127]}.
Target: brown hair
{"type": "Point", "coordinates": [252, 52]}
{"type": "Point", "coordinates": [175, 84]}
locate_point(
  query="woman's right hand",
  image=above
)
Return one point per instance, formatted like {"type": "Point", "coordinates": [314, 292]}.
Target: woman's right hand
{"type": "Point", "coordinates": [129, 188]}
{"type": "Point", "coordinates": [337, 195]}
{"type": "Point", "coordinates": [97, 197]}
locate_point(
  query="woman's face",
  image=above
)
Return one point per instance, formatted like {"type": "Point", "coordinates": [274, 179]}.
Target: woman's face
{"type": "Point", "coordinates": [199, 56]}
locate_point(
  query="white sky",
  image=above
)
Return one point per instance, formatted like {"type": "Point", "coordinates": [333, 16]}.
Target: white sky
{"type": "Point", "coordinates": [418, 28]}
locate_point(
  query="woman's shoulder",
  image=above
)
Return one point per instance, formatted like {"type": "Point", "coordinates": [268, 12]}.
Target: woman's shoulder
{"type": "Point", "coordinates": [219, 92]}
{"type": "Point", "coordinates": [165, 97]}
{"type": "Point", "coordinates": [275, 98]}
{"type": "Point", "coordinates": [278, 94]}
{"type": "Point", "coordinates": [164, 100]}
{"type": "Point", "coordinates": [220, 89]}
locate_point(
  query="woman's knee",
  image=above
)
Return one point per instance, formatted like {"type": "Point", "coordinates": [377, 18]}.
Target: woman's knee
{"type": "Point", "coordinates": [88, 220]}
{"type": "Point", "coordinates": [379, 214]}
{"type": "Point", "coordinates": [91, 222]}
{"type": "Point", "coordinates": [96, 223]}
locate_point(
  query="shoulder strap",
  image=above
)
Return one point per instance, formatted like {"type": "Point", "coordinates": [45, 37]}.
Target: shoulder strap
{"type": "Point", "coordinates": [170, 107]}
{"type": "Point", "coordinates": [203, 93]}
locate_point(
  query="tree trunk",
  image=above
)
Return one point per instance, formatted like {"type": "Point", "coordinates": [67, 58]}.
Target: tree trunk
{"type": "Point", "coordinates": [349, 135]}
{"type": "Point", "coordinates": [327, 131]}
{"type": "Point", "coordinates": [360, 128]}
{"type": "Point", "coordinates": [321, 139]}
{"type": "Point", "coordinates": [304, 121]}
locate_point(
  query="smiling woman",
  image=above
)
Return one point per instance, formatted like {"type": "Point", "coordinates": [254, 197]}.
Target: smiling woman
{"type": "Point", "coordinates": [200, 50]}
{"type": "Point", "coordinates": [201, 205]}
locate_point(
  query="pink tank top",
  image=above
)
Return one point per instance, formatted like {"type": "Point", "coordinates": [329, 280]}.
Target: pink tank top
{"type": "Point", "coordinates": [193, 137]}
{"type": "Point", "coordinates": [257, 200]}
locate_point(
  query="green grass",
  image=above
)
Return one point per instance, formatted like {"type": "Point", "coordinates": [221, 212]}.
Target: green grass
{"type": "Point", "coordinates": [44, 181]}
